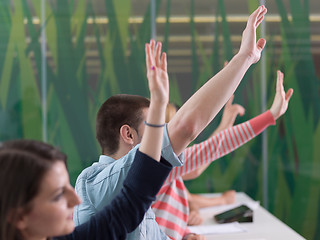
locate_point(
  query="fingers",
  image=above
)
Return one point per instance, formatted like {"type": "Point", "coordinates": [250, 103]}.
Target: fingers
{"type": "Point", "coordinates": [148, 58]}
{"type": "Point", "coordinates": [154, 56]}
{"type": "Point", "coordinates": [240, 110]}
{"type": "Point", "coordinates": [152, 45]}
{"type": "Point", "coordinates": [164, 62]}
{"type": "Point", "coordinates": [194, 236]}
{"type": "Point", "coordinates": [158, 54]}
{"type": "Point", "coordinates": [225, 63]}
{"type": "Point", "coordinates": [260, 17]}
{"type": "Point", "coordinates": [257, 16]}
{"type": "Point", "coordinates": [253, 17]}
{"type": "Point", "coordinates": [235, 108]}
{"type": "Point", "coordinates": [280, 87]}
{"type": "Point", "coordinates": [194, 218]}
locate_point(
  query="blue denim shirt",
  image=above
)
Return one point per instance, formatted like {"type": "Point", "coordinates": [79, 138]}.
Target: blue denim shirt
{"type": "Point", "coordinates": [98, 184]}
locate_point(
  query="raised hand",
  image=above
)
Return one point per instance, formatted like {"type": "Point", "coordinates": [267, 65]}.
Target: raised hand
{"type": "Point", "coordinates": [249, 47]}
{"type": "Point", "coordinates": [230, 113]}
{"type": "Point", "coordinates": [157, 75]}
{"type": "Point", "coordinates": [281, 99]}
{"type": "Point", "coordinates": [159, 96]}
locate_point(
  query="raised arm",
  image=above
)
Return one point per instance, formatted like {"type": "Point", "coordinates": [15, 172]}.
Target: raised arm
{"type": "Point", "coordinates": [145, 176]}
{"type": "Point", "coordinates": [232, 138]}
{"type": "Point", "coordinates": [278, 108]}
{"type": "Point", "coordinates": [156, 64]}
{"type": "Point", "coordinates": [197, 113]}
{"type": "Point", "coordinates": [281, 98]}
{"type": "Point", "coordinates": [230, 113]}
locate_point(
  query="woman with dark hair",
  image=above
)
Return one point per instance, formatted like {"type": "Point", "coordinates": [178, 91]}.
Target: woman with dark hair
{"type": "Point", "coordinates": [37, 200]}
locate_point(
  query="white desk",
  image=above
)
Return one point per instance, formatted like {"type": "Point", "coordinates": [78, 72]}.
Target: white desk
{"type": "Point", "coordinates": [265, 226]}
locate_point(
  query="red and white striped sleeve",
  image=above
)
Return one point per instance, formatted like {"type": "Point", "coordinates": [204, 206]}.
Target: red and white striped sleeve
{"type": "Point", "coordinates": [221, 144]}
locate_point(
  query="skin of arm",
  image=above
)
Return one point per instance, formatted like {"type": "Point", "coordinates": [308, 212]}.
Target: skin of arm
{"type": "Point", "coordinates": [229, 116]}
{"type": "Point", "coordinates": [196, 114]}
{"type": "Point", "coordinates": [158, 80]}
{"type": "Point", "coordinates": [230, 112]}
{"type": "Point", "coordinates": [227, 197]}
{"type": "Point", "coordinates": [278, 108]}
{"type": "Point", "coordinates": [198, 201]}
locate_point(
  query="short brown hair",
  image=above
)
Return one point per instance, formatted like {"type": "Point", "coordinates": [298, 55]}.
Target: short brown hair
{"type": "Point", "coordinates": [115, 112]}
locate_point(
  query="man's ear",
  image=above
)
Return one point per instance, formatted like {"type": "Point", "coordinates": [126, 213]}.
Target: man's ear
{"type": "Point", "coordinates": [126, 133]}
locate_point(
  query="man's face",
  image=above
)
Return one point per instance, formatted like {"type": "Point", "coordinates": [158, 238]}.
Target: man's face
{"type": "Point", "coordinates": [138, 134]}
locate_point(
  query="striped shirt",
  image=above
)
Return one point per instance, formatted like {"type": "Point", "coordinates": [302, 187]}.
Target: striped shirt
{"type": "Point", "coordinates": [171, 205]}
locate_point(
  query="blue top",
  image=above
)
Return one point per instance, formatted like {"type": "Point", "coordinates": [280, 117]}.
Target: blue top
{"type": "Point", "coordinates": [126, 211]}
{"type": "Point", "coordinates": [98, 185]}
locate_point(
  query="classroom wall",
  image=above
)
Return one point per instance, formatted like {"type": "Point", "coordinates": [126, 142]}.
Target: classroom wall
{"type": "Point", "coordinates": [60, 60]}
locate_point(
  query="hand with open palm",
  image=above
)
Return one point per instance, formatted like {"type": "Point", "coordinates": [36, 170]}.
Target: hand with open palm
{"type": "Point", "coordinates": [157, 75]}
{"type": "Point", "coordinates": [281, 99]}
{"type": "Point", "coordinates": [249, 46]}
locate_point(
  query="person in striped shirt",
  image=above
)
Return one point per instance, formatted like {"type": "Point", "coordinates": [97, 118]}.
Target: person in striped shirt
{"type": "Point", "coordinates": [195, 201]}
{"type": "Point", "coordinates": [171, 205]}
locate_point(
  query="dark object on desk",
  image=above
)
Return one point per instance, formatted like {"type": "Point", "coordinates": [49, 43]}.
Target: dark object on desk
{"type": "Point", "coordinates": [238, 214]}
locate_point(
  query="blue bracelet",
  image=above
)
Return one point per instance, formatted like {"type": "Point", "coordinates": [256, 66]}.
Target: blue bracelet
{"type": "Point", "coordinates": [154, 125]}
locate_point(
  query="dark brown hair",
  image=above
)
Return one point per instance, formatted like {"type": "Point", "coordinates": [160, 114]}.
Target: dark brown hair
{"type": "Point", "coordinates": [115, 112]}
{"type": "Point", "coordinates": [23, 164]}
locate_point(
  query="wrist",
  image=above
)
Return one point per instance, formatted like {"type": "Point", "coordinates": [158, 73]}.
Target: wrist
{"type": "Point", "coordinates": [223, 200]}
{"type": "Point", "coordinates": [156, 114]}
{"type": "Point", "coordinates": [272, 111]}
{"type": "Point", "coordinates": [158, 106]}
{"type": "Point", "coordinates": [245, 58]}
{"type": "Point", "coordinates": [220, 128]}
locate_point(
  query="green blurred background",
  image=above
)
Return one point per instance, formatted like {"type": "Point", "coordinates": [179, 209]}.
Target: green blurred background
{"type": "Point", "coordinates": [60, 60]}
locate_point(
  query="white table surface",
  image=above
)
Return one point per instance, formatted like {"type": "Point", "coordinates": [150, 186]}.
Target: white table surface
{"type": "Point", "coordinates": [265, 226]}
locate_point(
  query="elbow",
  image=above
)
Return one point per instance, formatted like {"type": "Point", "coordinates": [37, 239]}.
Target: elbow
{"type": "Point", "coordinates": [188, 130]}
{"type": "Point", "coordinates": [182, 131]}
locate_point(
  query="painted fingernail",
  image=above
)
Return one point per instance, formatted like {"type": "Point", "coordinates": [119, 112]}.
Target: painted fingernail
{"type": "Point", "coordinates": [153, 68]}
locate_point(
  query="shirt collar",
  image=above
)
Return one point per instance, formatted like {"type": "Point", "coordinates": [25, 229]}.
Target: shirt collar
{"type": "Point", "coordinates": [106, 159]}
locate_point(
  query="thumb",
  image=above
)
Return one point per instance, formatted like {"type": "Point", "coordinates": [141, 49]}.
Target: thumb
{"type": "Point", "coordinates": [289, 94]}
{"type": "Point", "coordinates": [241, 110]}
{"type": "Point", "coordinates": [261, 43]}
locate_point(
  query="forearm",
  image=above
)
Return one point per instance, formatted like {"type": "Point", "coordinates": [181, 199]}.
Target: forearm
{"type": "Point", "coordinates": [156, 64]}
{"type": "Point", "coordinates": [197, 113]}
{"type": "Point", "coordinates": [152, 137]}
{"type": "Point", "coordinates": [202, 201]}
{"type": "Point", "coordinates": [199, 156]}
